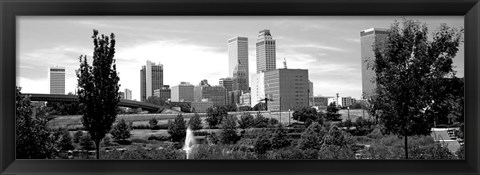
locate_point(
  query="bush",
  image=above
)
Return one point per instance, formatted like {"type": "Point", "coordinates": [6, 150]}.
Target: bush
{"type": "Point", "coordinates": [312, 137]}
{"type": "Point", "coordinates": [162, 154]}
{"type": "Point", "coordinates": [262, 144]}
{"type": "Point", "coordinates": [215, 116]}
{"type": "Point", "coordinates": [64, 140]}
{"type": "Point", "coordinates": [160, 126]}
{"type": "Point", "coordinates": [289, 153]}
{"type": "Point", "coordinates": [200, 133]}
{"type": "Point", "coordinates": [280, 138]}
{"type": "Point", "coordinates": [177, 128]}
{"type": "Point", "coordinates": [86, 142]}
{"type": "Point", "coordinates": [229, 130]}
{"type": "Point", "coordinates": [212, 138]}
{"type": "Point", "coordinates": [77, 136]}
{"type": "Point", "coordinates": [335, 137]}
{"type": "Point", "coordinates": [141, 126]}
{"type": "Point", "coordinates": [158, 137]}
{"type": "Point", "coordinates": [335, 152]}
{"type": "Point", "coordinates": [246, 121]}
{"type": "Point", "coordinates": [260, 121]}
{"type": "Point", "coordinates": [272, 122]}
{"type": "Point", "coordinates": [107, 141]}
{"type": "Point", "coordinates": [305, 113]}
{"type": "Point", "coordinates": [138, 140]}
{"type": "Point", "coordinates": [120, 131]}
{"type": "Point", "coordinates": [461, 152]}
{"type": "Point", "coordinates": [152, 122]}
{"type": "Point", "coordinates": [195, 123]}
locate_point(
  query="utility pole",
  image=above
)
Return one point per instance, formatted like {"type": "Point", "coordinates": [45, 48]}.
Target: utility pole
{"type": "Point", "coordinates": [337, 100]}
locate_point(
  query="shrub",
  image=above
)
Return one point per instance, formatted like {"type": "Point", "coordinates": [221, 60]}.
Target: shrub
{"type": "Point", "coordinates": [280, 138]}
{"type": "Point", "coordinates": [152, 122]}
{"type": "Point", "coordinates": [200, 133]}
{"type": "Point", "coordinates": [107, 141]}
{"type": "Point", "coordinates": [64, 140]}
{"type": "Point", "coordinates": [120, 131]}
{"type": "Point", "coordinates": [141, 126]}
{"type": "Point", "coordinates": [160, 126]}
{"type": "Point", "coordinates": [260, 121]}
{"type": "Point", "coordinates": [138, 140]}
{"type": "Point", "coordinates": [212, 138]}
{"type": "Point", "coordinates": [195, 123]}
{"type": "Point", "coordinates": [312, 137]}
{"type": "Point", "coordinates": [158, 137]}
{"type": "Point", "coordinates": [229, 130]}
{"type": "Point", "coordinates": [246, 121]}
{"type": "Point", "coordinates": [77, 136]}
{"type": "Point", "coordinates": [335, 152]}
{"type": "Point", "coordinates": [177, 128]}
{"type": "Point", "coordinates": [335, 137]}
{"type": "Point", "coordinates": [461, 152]}
{"type": "Point", "coordinates": [86, 142]}
{"type": "Point", "coordinates": [289, 153]}
{"type": "Point", "coordinates": [272, 122]}
{"type": "Point", "coordinates": [262, 143]}
{"type": "Point", "coordinates": [375, 134]}
{"type": "Point", "coordinates": [305, 113]}
{"type": "Point", "coordinates": [215, 115]}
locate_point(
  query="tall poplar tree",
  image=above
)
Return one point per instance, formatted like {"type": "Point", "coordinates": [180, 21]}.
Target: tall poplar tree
{"type": "Point", "coordinates": [408, 70]}
{"type": "Point", "coordinates": [98, 88]}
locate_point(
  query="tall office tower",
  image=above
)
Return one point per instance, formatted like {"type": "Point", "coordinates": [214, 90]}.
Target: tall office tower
{"type": "Point", "coordinates": [57, 80]}
{"type": "Point", "coordinates": [128, 94]}
{"type": "Point", "coordinates": [265, 52]}
{"type": "Point", "coordinates": [257, 92]}
{"type": "Point", "coordinates": [182, 92]}
{"type": "Point", "coordinates": [151, 78]}
{"type": "Point", "coordinates": [238, 61]}
{"type": "Point", "coordinates": [288, 89]}
{"type": "Point", "coordinates": [370, 39]}
{"type": "Point", "coordinates": [227, 83]}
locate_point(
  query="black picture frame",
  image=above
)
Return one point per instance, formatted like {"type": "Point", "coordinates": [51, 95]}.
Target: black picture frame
{"type": "Point", "coordinates": [9, 9]}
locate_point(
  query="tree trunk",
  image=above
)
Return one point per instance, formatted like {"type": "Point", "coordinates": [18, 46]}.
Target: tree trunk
{"type": "Point", "coordinates": [97, 148]}
{"type": "Point", "coordinates": [406, 144]}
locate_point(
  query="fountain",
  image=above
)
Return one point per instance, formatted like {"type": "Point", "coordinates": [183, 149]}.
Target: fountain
{"type": "Point", "coordinates": [189, 142]}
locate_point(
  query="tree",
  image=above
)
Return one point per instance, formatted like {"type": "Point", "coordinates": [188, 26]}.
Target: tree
{"type": "Point", "coordinates": [86, 142]}
{"type": "Point", "coordinates": [32, 138]}
{"type": "Point", "coordinates": [312, 137]}
{"type": "Point", "coordinates": [98, 88]}
{"type": "Point", "coordinates": [121, 131]}
{"type": "Point", "coordinates": [215, 115]}
{"type": "Point", "coordinates": [77, 136]}
{"type": "Point", "coordinates": [177, 128]}
{"type": "Point", "coordinates": [305, 114]}
{"type": "Point", "coordinates": [64, 140]}
{"type": "Point", "coordinates": [195, 123]}
{"type": "Point", "coordinates": [152, 122]}
{"type": "Point", "coordinates": [229, 130]}
{"type": "Point", "coordinates": [260, 121]}
{"type": "Point", "coordinates": [332, 112]}
{"type": "Point", "coordinates": [262, 143]}
{"type": "Point", "coordinates": [280, 138]}
{"type": "Point", "coordinates": [246, 121]}
{"type": "Point", "coordinates": [408, 68]}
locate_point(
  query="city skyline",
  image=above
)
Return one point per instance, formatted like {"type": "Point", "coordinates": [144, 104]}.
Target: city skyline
{"type": "Point", "coordinates": [329, 47]}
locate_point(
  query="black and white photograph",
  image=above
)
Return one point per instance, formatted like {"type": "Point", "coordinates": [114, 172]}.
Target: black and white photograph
{"type": "Point", "coordinates": [240, 87]}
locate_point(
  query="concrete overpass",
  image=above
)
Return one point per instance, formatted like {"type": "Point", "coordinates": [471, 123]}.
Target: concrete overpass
{"type": "Point", "coordinates": [73, 98]}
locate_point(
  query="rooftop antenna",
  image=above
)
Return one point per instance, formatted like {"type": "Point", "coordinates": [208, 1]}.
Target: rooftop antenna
{"type": "Point", "coordinates": [284, 63]}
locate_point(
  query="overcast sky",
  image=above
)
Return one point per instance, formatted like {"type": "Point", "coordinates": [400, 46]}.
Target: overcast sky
{"type": "Point", "coordinates": [195, 48]}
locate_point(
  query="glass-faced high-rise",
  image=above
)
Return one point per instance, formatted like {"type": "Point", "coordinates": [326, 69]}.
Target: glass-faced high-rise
{"type": "Point", "coordinates": [57, 80]}
{"type": "Point", "coordinates": [265, 52]}
{"type": "Point", "coordinates": [238, 62]}
{"type": "Point", "coordinates": [151, 78]}
{"type": "Point", "coordinates": [370, 38]}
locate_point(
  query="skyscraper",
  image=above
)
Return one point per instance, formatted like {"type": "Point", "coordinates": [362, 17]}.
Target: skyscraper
{"type": "Point", "coordinates": [151, 78]}
{"type": "Point", "coordinates": [238, 61]}
{"type": "Point", "coordinates": [57, 80]}
{"type": "Point", "coordinates": [257, 92]}
{"type": "Point", "coordinates": [370, 39]}
{"type": "Point", "coordinates": [310, 93]}
{"type": "Point", "coordinates": [265, 52]}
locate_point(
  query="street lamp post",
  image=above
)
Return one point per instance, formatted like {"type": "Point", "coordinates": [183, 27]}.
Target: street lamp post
{"type": "Point", "coordinates": [348, 110]}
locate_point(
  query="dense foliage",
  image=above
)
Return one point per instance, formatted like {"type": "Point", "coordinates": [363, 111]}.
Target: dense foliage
{"type": "Point", "coordinates": [177, 128]}
{"type": "Point", "coordinates": [215, 115]}
{"type": "Point", "coordinates": [98, 88]}
{"type": "Point", "coordinates": [246, 121]}
{"type": "Point", "coordinates": [229, 134]}
{"type": "Point", "coordinates": [120, 131]}
{"type": "Point", "coordinates": [195, 123]}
